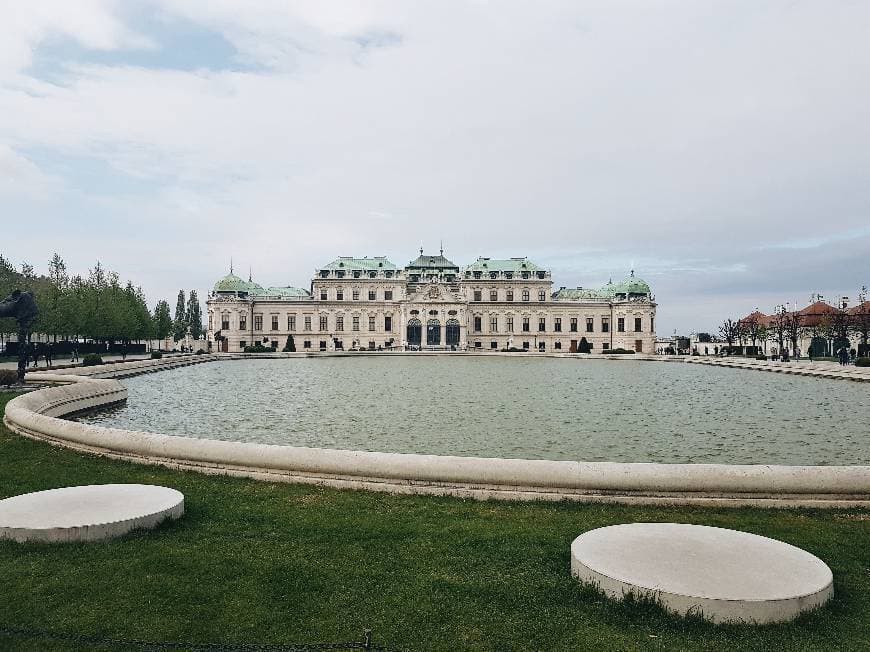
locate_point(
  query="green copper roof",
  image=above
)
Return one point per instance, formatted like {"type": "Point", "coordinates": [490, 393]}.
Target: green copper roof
{"type": "Point", "coordinates": [362, 264]}
{"type": "Point", "coordinates": [578, 294]}
{"type": "Point", "coordinates": [232, 283]}
{"type": "Point", "coordinates": [631, 285]}
{"type": "Point", "coordinates": [503, 265]}
{"type": "Point", "coordinates": [424, 261]}
{"type": "Point", "coordinates": [283, 292]}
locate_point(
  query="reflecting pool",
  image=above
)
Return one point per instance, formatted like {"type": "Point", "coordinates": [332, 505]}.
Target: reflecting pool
{"type": "Point", "coordinates": [535, 408]}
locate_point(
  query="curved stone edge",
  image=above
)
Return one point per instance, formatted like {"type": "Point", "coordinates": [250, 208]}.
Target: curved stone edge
{"type": "Point", "coordinates": [35, 415]}
{"type": "Point", "coordinates": [756, 612]}
{"type": "Point", "coordinates": [856, 374]}
{"type": "Point", "coordinates": [94, 531]}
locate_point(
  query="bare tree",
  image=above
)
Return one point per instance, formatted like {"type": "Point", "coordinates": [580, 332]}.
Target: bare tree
{"type": "Point", "coordinates": [730, 332]}
{"type": "Point", "coordinates": [794, 328]}
{"type": "Point", "coordinates": [778, 330]}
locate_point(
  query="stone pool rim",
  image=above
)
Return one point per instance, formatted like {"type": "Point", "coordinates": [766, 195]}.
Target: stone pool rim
{"type": "Point", "coordinates": [36, 415]}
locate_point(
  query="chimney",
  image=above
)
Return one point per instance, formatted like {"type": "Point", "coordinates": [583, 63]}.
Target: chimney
{"type": "Point", "coordinates": [844, 303]}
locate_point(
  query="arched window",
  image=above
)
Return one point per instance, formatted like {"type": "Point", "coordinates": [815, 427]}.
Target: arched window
{"type": "Point", "coordinates": [452, 334]}
{"type": "Point", "coordinates": [415, 329]}
{"type": "Point", "coordinates": [433, 332]}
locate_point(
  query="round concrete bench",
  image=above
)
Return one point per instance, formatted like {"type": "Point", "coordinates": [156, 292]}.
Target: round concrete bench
{"type": "Point", "coordinates": [87, 513]}
{"type": "Point", "coordinates": [721, 575]}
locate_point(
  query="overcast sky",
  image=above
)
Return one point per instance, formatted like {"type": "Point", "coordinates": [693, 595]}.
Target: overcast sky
{"type": "Point", "coordinates": [721, 148]}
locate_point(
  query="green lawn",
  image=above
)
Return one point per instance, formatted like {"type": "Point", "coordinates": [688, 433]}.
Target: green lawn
{"type": "Point", "coordinates": [253, 562]}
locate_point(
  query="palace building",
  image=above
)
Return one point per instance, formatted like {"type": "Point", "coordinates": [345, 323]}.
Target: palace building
{"type": "Point", "coordinates": [432, 304]}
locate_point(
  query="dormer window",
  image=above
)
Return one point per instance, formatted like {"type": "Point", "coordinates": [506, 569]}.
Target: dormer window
{"type": "Point", "coordinates": [476, 274]}
{"type": "Point", "coordinates": [356, 273]}
{"type": "Point", "coordinates": [340, 273]}
{"type": "Point", "coordinates": [373, 274]}
{"type": "Point", "coordinates": [508, 274]}
{"type": "Point", "coordinates": [541, 274]}
{"type": "Point", "coordinates": [493, 274]}
{"type": "Point", "coordinates": [388, 274]}
{"type": "Point", "coordinates": [525, 274]}
{"type": "Point", "coordinates": [324, 273]}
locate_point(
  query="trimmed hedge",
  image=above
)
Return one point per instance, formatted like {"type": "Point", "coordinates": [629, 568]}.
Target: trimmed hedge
{"type": "Point", "coordinates": [8, 376]}
{"type": "Point", "coordinates": [156, 355]}
{"type": "Point", "coordinates": [761, 357]}
{"type": "Point", "coordinates": [862, 362]}
{"type": "Point", "coordinates": [259, 348]}
{"type": "Point", "coordinates": [92, 360]}
{"type": "Point", "coordinates": [619, 351]}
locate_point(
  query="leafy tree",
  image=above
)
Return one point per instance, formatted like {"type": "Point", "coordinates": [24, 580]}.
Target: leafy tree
{"type": "Point", "coordinates": [162, 320]}
{"type": "Point", "coordinates": [179, 325]}
{"type": "Point", "coordinates": [194, 316]}
{"type": "Point", "coordinates": [290, 346]}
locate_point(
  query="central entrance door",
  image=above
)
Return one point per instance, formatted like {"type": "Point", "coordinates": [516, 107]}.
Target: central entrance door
{"type": "Point", "coordinates": [452, 335]}
{"type": "Point", "coordinates": [433, 332]}
{"type": "Point", "coordinates": [415, 329]}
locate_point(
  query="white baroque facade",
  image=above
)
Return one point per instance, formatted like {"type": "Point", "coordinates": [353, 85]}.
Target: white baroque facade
{"type": "Point", "coordinates": [432, 304]}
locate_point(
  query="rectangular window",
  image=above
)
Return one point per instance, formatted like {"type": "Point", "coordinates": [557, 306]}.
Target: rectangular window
{"type": "Point", "coordinates": [339, 295]}
{"type": "Point", "coordinates": [306, 344]}
{"type": "Point", "coordinates": [493, 345]}
{"type": "Point", "coordinates": [605, 324]}
{"type": "Point", "coordinates": [274, 322]}
{"type": "Point", "coordinates": [477, 345]}
{"type": "Point", "coordinates": [258, 322]}
{"type": "Point", "coordinates": [356, 323]}
{"type": "Point", "coordinates": [243, 323]}
{"type": "Point", "coordinates": [225, 323]}
{"type": "Point", "coordinates": [510, 295]}
{"type": "Point", "coordinates": [557, 324]}
{"type": "Point", "coordinates": [526, 346]}
{"type": "Point", "coordinates": [493, 324]}
{"type": "Point", "coordinates": [620, 324]}
{"type": "Point", "coordinates": [605, 346]}
{"type": "Point", "coordinates": [371, 322]}
{"type": "Point", "coordinates": [542, 324]}
{"type": "Point", "coordinates": [542, 295]}
{"type": "Point", "coordinates": [637, 325]}
{"type": "Point", "coordinates": [652, 324]}
{"type": "Point", "coordinates": [323, 345]}
{"type": "Point", "coordinates": [525, 324]}
{"type": "Point", "coordinates": [558, 346]}
{"type": "Point", "coordinates": [291, 322]}
{"type": "Point", "coordinates": [308, 322]}
{"type": "Point", "coordinates": [373, 295]}
{"type": "Point", "coordinates": [242, 345]}
{"type": "Point", "coordinates": [388, 295]}
{"type": "Point", "coordinates": [590, 324]}
{"type": "Point", "coordinates": [388, 324]}
{"type": "Point", "coordinates": [493, 295]}
{"type": "Point", "coordinates": [477, 324]}
{"type": "Point", "coordinates": [355, 295]}
{"type": "Point", "coordinates": [339, 323]}
{"type": "Point", "coordinates": [477, 296]}
{"type": "Point", "coordinates": [323, 295]}
{"type": "Point", "coordinates": [525, 295]}
{"type": "Point", "coordinates": [573, 324]}
{"type": "Point", "coordinates": [324, 324]}
{"type": "Point", "coordinates": [510, 324]}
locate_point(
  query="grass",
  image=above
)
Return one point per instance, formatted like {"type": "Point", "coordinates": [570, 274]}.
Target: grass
{"type": "Point", "coordinates": [274, 563]}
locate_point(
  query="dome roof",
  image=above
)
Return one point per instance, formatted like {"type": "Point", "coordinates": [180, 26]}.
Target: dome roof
{"type": "Point", "coordinates": [231, 283]}
{"type": "Point", "coordinates": [631, 285]}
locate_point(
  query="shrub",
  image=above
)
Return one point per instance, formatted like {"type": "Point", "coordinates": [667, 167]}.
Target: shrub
{"type": "Point", "coordinates": [258, 348]}
{"type": "Point", "coordinates": [290, 346]}
{"type": "Point", "coordinates": [513, 349]}
{"type": "Point", "coordinates": [200, 352]}
{"type": "Point", "coordinates": [619, 351]}
{"type": "Point", "coordinates": [761, 357]}
{"type": "Point", "coordinates": [8, 376]}
{"type": "Point", "coordinates": [91, 360]}
{"type": "Point", "coordinates": [156, 355]}
{"type": "Point", "coordinates": [862, 362]}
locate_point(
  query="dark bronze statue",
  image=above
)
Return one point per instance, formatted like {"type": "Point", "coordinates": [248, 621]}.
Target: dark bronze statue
{"type": "Point", "coordinates": [21, 306]}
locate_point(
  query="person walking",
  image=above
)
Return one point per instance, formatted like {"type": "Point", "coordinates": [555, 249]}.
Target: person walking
{"type": "Point", "coordinates": [75, 352]}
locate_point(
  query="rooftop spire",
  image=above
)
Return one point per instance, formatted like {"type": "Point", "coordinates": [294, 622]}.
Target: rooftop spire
{"type": "Point", "coordinates": [231, 264]}
{"type": "Point", "coordinates": [442, 247]}
{"type": "Point", "coordinates": [250, 274]}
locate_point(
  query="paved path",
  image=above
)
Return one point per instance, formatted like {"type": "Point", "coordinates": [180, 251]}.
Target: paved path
{"type": "Point", "coordinates": [63, 360]}
{"type": "Point", "coordinates": [800, 368]}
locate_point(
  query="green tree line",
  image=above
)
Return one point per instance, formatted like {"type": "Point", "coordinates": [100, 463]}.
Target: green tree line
{"type": "Point", "coordinates": [95, 307]}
